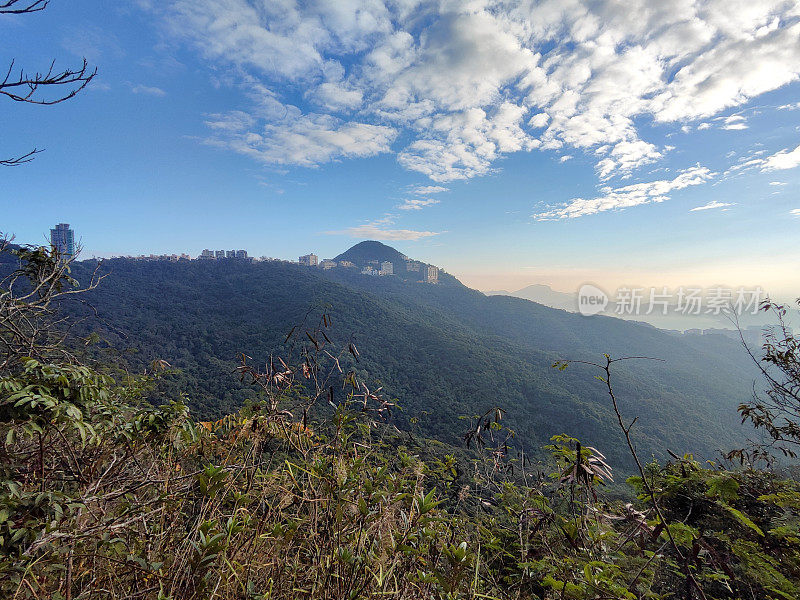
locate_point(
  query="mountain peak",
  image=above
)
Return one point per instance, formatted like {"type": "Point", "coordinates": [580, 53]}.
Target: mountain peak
{"type": "Point", "coordinates": [363, 252]}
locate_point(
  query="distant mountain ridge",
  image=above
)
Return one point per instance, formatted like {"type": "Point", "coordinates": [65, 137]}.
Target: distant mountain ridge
{"type": "Point", "coordinates": [543, 294]}
{"type": "Point", "coordinates": [674, 322]}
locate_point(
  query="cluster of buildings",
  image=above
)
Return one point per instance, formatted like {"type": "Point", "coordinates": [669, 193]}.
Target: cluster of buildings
{"type": "Point", "coordinates": [168, 257]}
{"type": "Point", "coordinates": [373, 268]}
{"type": "Point", "coordinates": [428, 273]}
{"type": "Point", "coordinates": [309, 260]}
{"type": "Point", "coordinates": [63, 239]}
{"type": "Point", "coordinates": [223, 255]}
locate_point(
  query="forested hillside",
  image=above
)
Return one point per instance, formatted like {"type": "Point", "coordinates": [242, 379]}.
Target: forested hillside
{"type": "Point", "coordinates": [443, 351]}
{"type": "Point", "coordinates": [111, 488]}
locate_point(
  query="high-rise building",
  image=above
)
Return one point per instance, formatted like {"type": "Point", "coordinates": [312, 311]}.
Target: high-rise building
{"type": "Point", "coordinates": [309, 260]}
{"type": "Point", "coordinates": [230, 254]}
{"type": "Point", "coordinates": [387, 268]}
{"type": "Point", "coordinates": [432, 274]}
{"type": "Point", "coordinates": [220, 254]}
{"type": "Point", "coordinates": [207, 255]}
{"type": "Point", "coordinates": [328, 264]}
{"type": "Point", "coordinates": [241, 254]}
{"type": "Point", "coordinates": [62, 238]}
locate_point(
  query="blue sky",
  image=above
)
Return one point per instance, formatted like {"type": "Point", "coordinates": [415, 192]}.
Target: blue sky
{"type": "Point", "coordinates": [508, 142]}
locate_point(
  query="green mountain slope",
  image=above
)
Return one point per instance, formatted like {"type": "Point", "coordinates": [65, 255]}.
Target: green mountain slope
{"type": "Point", "coordinates": [443, 350]}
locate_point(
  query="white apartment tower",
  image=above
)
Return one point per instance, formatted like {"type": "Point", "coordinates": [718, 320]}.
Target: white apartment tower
{"type": "Point", "coordinates": [432, 274]}
{"type": "Point", "coordinates": [309, 260]}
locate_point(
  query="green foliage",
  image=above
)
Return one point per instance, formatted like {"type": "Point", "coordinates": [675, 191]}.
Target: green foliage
{"type": "Point", "coordinates": [442, 350]}
{"type": "Point", "coordinates": [775, 412]}
{"type": "Point", "coordinates": [43, 396]}
{"type": "Point", "coordinates": [105, 495]}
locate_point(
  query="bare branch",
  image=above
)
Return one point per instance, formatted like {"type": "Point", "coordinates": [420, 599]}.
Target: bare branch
{"type": "Point", "coordinates": [23, 87]}
{"type": "Point", "coordinates": [9, 7]}
{"type": "Point", "coordinates": [20, 160]}
{"type": "Point", "coordinates": [44, 89]}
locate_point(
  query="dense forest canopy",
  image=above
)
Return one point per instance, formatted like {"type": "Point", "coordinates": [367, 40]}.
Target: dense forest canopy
{"type": "Point", "coordinates": [442, 351]}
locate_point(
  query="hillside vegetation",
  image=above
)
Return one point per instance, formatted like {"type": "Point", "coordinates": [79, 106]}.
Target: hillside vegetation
{"type": "Point", "coordinates": [441, 351]}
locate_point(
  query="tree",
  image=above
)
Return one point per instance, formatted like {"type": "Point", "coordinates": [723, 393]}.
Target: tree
{"type": "Point", "coordinates": [30, 324]}
{"type": "Point", "coordinates": [777, 411]}
{"type": "Point", "coordinates": [43, 88]}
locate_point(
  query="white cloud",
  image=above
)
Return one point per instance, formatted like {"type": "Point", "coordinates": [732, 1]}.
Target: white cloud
{"type": "Point", "coordinates": [792, 106]}
{"type": "Point", "coordinates": [627, 196]}
{"type": "Point", "coordinates": [538, 120]}
{"type": "Point", "coordinates": [337, 97]}
{"type": "Point", "coordinates": [734, 122]}
{"type": "Point", "coordinates": [795, 212]}
{"type": "Point", "coordinates": [233, 121]}
{"type": "Point", "coordinates": [461, 145]}
{"type": "Point", "coordinates": [374, 231]}
{"type": "Point", "coordinates": [565, 158]}
{"type": "Point", "coordinates": [626, 156]}
{"type": "Point", "coordinates": [148, 90]}
{"type": "Point", "coordinates": [712, 205]}
{"type": "Point", "coordinates": [424, 190]}
{"type": "Point", "coordinates": [417, 203]}
{"type": "Point", "coordinates": [780, 161]}
{"type": "Point", "coordinates": [461, 84]}
{"type": "Point", "coordinates": [777, 183]}
{"type": "Point", "coordinates": [298, 139]}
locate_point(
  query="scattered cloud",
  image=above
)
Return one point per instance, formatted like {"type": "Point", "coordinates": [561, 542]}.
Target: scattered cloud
{"type": "Point", "coordinates": [780, 161]}
{"type": "Point", "coordinates": [464, 144]}
{"type": "Point", "coordinates": [539, 120]}
{"type": "Point", "coordinates": [733, 122]}
{"type": "Point", "coordinates": [298, 139]}
{"type": "Point", "coordinates": [417, 203]}
{"type": "Point", "coordinates": [792, 106]}
{"type": "Point", "coordinates": [795, 212]}
{"type": "Point", "coordinates": [628, 196]}
{"type": "Point", "coordinates": [376, 231]}
{"type": "Point", "coordinates": [424, 190]}
{"type": "Point", "coordinates": [712, 205]}
{"type": "Point", "coordinates": [565, 158]}
{"type": "Point", "coordinates": [777, 183]}
{"type": "Point", "coordinates": [456, 86]}
{"type": "Point", "coordinates": [337, 97]}
{"type": "Point", "coordinates": [148, 90]}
